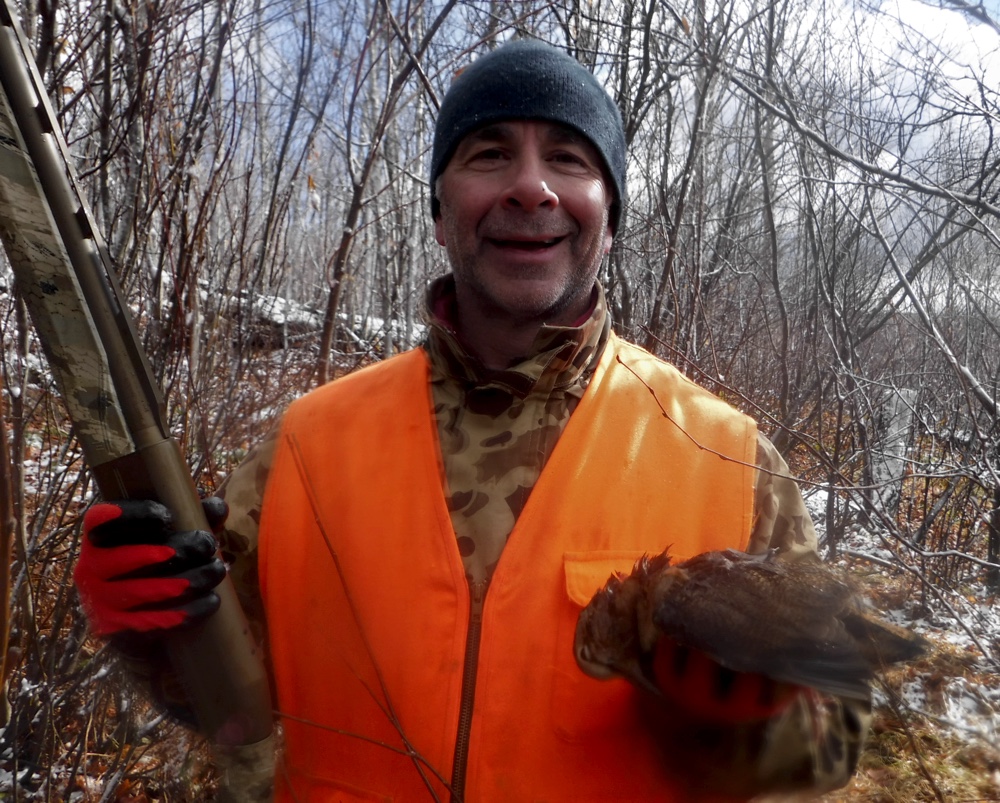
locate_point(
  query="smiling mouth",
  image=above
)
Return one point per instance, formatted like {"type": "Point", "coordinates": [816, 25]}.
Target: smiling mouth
{"type": "Point", "coordinates": [527, 245]}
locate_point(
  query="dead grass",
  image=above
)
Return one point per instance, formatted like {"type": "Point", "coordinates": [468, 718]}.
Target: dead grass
{"type": "Point", "coordinates": [914, 760]}
{"type": "Point", "coordinates": [913, 755]}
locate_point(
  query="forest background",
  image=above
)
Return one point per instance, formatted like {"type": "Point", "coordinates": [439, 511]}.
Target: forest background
{"type": "Point", "coordinates": [812, 229]}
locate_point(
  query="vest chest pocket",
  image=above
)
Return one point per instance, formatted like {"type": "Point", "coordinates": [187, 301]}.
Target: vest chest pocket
{"type": "Point", "coordinates": [584, 707]}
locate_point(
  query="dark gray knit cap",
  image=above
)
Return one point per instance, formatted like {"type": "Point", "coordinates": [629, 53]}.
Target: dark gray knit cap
{"type": "Point", "coordinates": [528, 79]}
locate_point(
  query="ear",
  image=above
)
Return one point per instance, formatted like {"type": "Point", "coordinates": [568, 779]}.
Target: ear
{"type": "Point", "coordinates": [439, 230]}
{"type": "Point", "coordinates": [609, 237]}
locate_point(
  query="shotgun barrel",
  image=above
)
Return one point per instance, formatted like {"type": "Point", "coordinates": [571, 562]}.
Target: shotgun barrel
{"type": "Point", "coordinates": [63, 272]}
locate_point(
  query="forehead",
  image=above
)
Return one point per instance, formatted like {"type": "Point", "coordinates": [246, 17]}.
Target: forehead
{"type": "Point", "coordinates": [512, 130]}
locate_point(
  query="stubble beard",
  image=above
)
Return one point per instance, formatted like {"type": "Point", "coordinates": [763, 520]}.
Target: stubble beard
{"type": "Point", "coordinates": [500, 297]}
{"type": "Point", "coordinates": [522, 302]}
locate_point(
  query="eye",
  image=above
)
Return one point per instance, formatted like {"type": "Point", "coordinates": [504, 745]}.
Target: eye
{"type": "Point", "coordinates": [573, 162]}
{"type": "Point", "coordinates": [488, 155]}
{"type": "Point", "coordinates": [568, 158]}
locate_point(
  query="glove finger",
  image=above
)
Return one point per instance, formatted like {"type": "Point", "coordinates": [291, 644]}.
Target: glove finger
{"type": "Point", "coordinates": [152, 603]}
{"type": "Point", "coordinates": [202, 579]}
{"type": "Point", "coordinates": [147, 593]}
{"type": "Point", "coordinates": [200, 608]}
{"type": "Point", "coordinates": [136, 622]}
{"type": "Point", "coordinates": [216, 512]}
{"type": "Point", "coordinates": [100, 564]}
{"type": "Point", "coordinates": [145, 621]}
{"type": "Point", "coordinates": [183, 551]}
{"type": "Point", "coordinates": [127, 596]}
{"type": "Point", "coordinates": [128, 521]}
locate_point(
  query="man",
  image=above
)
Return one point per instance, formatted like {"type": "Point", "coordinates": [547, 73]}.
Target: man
{"type": "Point", "coordinates": [430, 527]}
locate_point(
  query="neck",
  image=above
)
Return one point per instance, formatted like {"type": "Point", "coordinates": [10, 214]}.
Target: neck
{"type": "Point", "coordinates": [495, 338]}
{"type": "Point", "coordinates": [497, 344]}
{"type": "Point", "coordinates": [500, 341]}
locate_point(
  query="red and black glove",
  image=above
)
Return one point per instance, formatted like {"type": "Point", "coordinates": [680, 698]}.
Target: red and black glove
{"type": "Point", "coordinates": [136, 574]}
{"type": "Point", "coordinates": [706, 690]}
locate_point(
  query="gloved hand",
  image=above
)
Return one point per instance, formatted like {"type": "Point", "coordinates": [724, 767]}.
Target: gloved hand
{"type": "Point", "coordinates": [708, 691]}
{"type": "Point", "coordinates": [138, 575]}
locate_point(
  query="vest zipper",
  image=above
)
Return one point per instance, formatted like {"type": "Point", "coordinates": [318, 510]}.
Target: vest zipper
{"type": "Point", "coordinates": [477, 596]}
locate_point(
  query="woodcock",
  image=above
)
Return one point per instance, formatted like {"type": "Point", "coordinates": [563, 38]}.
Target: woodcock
{"type": "Point", "coordinates": [792, 620]}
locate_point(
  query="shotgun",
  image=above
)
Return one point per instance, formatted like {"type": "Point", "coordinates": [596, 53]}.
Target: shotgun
{"type": "Point", "coordinates": [63, 272]}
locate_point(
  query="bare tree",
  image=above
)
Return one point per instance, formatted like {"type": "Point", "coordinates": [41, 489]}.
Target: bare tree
{"type": "Point", "coordinates": [810, 228]}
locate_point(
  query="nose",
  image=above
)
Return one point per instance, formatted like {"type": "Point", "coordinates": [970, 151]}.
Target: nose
{"type": "Point", "coordinates": [528, 189]}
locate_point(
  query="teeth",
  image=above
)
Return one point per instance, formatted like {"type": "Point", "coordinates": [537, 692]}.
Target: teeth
{"type": "Point", "coordinates": [529, 244]}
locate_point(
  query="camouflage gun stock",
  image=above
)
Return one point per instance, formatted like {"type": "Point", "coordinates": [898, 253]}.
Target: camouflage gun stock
{"type": "Point", "coordinates": [63, 272]}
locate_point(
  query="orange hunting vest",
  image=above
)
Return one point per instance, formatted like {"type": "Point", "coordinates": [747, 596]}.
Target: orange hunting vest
{"type": "Point", "coordinates": [368, 606]}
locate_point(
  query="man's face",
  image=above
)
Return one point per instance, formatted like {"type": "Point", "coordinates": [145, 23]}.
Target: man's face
{"type": "Point", "coordinates": [524, 217]}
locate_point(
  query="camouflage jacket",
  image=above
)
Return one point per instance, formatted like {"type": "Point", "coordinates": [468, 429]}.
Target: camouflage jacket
{"type": "Point", "coordinates": [497, 428]}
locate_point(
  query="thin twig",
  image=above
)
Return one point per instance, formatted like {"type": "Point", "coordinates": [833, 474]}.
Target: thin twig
{"type": "Point", "coordinates": [894, 703]}
{"type": "Point", "coordinates": [389, 710]}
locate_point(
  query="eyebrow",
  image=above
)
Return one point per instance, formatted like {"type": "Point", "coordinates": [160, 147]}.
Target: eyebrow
{"type": "Point", "coordinates": [565, 135]}
{"type": "Point", "coordinates": [556, 132]}
{"type": "Point", "coordinates": [489, 133]}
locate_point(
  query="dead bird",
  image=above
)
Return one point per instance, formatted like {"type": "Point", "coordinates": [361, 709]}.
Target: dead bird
{"type": "Point", "coordinates": [793, 620]}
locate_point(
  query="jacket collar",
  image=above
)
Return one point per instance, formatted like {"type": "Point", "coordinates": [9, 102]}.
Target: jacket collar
{"type": "Point", "coordinates": [559, 356]}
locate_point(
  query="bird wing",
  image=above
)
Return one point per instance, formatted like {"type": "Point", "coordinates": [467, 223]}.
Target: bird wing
{"type": "Point", "coordinates": [762, 615]}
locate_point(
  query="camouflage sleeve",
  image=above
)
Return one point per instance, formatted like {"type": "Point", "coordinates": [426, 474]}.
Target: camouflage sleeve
{"type": "Point", "coordinates": [243, 491]}
{"type": "Point", "coordinates": [810, 748]}
{"type": "Point", "coordinates": [781, 520]}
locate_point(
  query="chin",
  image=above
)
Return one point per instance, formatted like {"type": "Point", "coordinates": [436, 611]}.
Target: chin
{"type": "Point", "coordinates": [543, 309]}
{"type": "Point", "coordinates": [528, 297]}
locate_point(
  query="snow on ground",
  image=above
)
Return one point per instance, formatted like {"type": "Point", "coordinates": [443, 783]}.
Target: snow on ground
{"type": "Point", "coordinates": [966, 623]}
{"type": "Point", "coordinates": [968, 703]}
